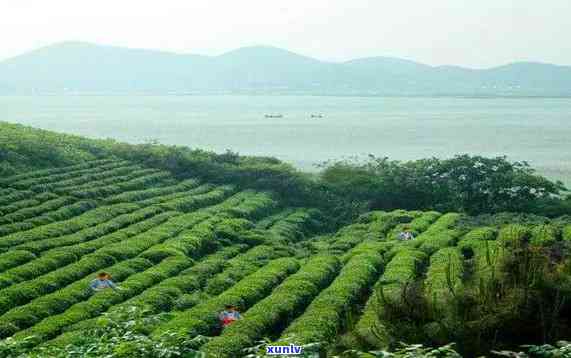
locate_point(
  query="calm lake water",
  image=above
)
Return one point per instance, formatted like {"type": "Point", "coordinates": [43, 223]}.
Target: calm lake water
{"type": "Point", "coordinates": [537, 130]}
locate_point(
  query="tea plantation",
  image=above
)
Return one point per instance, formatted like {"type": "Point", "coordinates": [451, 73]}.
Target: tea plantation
{"type": "Point", "coordinates": [184, 248]}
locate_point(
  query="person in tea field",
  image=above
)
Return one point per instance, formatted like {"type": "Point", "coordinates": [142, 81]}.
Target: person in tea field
{"type": "Point", "coordinates": [229, 316]}
{"type": "Point", "coordinates": [102, 281]}
{"type": "Point", "coordinates": [406, 235]}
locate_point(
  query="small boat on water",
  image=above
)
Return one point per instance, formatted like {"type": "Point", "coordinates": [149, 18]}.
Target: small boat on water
{"type": "Point", "coordinates": [316, 116]}
{"type": "Point", "coordinates": [273, 116]}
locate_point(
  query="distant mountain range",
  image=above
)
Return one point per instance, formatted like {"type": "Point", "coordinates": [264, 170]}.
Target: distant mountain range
{"type": "Point", "coordinates": [75, 67]}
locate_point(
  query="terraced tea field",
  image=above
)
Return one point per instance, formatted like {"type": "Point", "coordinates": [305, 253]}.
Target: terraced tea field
{"type": "Point", "coordinates": [189, 247]}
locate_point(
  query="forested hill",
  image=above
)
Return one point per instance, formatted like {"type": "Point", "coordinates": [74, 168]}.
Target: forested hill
{"type": "Point", "coordinates": [74, 67]}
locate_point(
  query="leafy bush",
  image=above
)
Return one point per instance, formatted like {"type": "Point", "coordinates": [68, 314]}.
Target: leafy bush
{"type": "Point", "coordinates": [90, 218]}
{"type": "Point", "coordinates": [471, 184]}
{"type": "Point", "coordinates": [544, 235]}
{"type": "Point", "coordinates": [53, 170]}
{"type": "Point", "coordinates": [134, 180]}
{"type": "Point", "coordinates": [65, 174]}
{"type": "Point", "coordinates": [140, 195]}
{"type": "Point", "coordinates": [56, 302]}
{"type": "Point", "coordinates": [14, 258]}
{"type": "Point", "coordinates": [562, 349]}
{"type": "Point", "coordinates": [322, 319]}
{"type": "Point", "coordinates": [31, 210]}
{"type": "Point", "coordinates": [101, 301]}
{"type": "Point", "coordinates": [202, 319]}
{"type": "Point", "coordinates": [118, 335]}
{"type": "Point", "coordinates": [286, 301]}
{"type": "Point", "coordinates": [89, 239]}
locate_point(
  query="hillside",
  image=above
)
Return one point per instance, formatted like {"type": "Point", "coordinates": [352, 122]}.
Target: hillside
{"type": "Point", "coordinates": [74, 67]}
{"type": "Point", "coordinates": [184, 238]}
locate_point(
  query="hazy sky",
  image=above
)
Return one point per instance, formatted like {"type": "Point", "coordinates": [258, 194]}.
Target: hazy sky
{"type": "Point", "coordinates": [475, 33]}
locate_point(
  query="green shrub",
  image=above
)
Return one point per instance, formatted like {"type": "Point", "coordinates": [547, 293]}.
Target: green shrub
{"type": "Point", "coordinates": [90, 218]}
{"type": "Point", "coordinates": [58, 301]}
{"type": "Point", "coordinates": [487, 256]}
{"type": "Point", "coordinates": [194, 202]}
{"type": "Point", "coordinates": [481, 233]}
{"type": "Point", "coordinates": [544, 235]}
{"type": "Point", "coordinates": [88, 177]}
{"type": "Point", "coordinates": [16, 195]}
{"type": "Point", "coordinates": [67, 212]}
{"type": "Point", "coordinates": [202, 319]}
{"type": "Point", "coordinates": [142, 194]}
{"type": "Point", "coordinates": [295, 226]}
{"type": "Point", "coordinates": [54, 171]}
{"type": "Point", "coordinates": [239, 267]}
{"type": "Point", "coordinates": [399, 272]}
{"type": "Point", "coordinates": [163, 296]}
{"type": "Point", "coordinates": [514, 235]}
{"type": "Point", "coordinates": [444, 278]}
{"type": "Point", "coordinates": [31, 211]}
{"type": "Point", "coordinates": [163, 198]}
{"type": "Point", "coordinates": [566, 234]}
{"type": "Point", "coordinates": [26, 183]}
{"type": "Point", "coordinates": [92, 233]}
{"type": "Point", "coordinates": [14, 258]}
{"type": "Point", "coordinates": [286, 301]}
{"type": "Point", "coordinates": [418, 225]}
{"type": "Point", "coordinates": [323, 318]}
{"type": "Point", "coordinates": [7, 211]}
{"type": "Point", "coordinates": [135, 180]}
{"type": "Point", "coordinates": [101, 301]}
{"type": "Point", "coordinates": [121, 334]}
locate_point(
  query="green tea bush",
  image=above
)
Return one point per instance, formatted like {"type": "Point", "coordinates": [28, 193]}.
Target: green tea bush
{"type": "Point", "coordinates": [135, 180]}
{"type": "Point", "coordinates": [197, 201]}
{"type": "Point", "coordinates": [12, 259]}
{"type": "Point", "coordinates": [368, 246]}
{"type": "Point", "coordinates": [72, 241]}
{"type": "Point", "coordinates": [17, 195]}
{"type": "Point", "coordinates": [487, 257]}
{"type": "Point", "coordinates": [164, 198]}
{"type": "Point", "coordinates": [203, 318]}
{"type": "Point", "coordinates": [514, 235]}
{"type": "Point", "coordinates": [54, 171]}
{"type": "Point", "coordinates": [162, 297]}
{"type": "Point", "coordinates": [64, 213]}
{"type": "Point", "coordinates": [417, 225]}
{"type": "Point", "coordinates": [323, 318]}
{"type": "Point", "coordinates": [239, 267]}
{"type": "Point", "coordinates": [27, 183]}
{"type": "Point", "coordinates": [121, 334]}
{"type": "Point", "coordinates": [54, 303]}
{"type": "Point", "coordinates": [481, 233]}
{"type": "Point", "coordinates": [402, 270]}
{"type": "Point", "coordinates": [566, 234]}
{"type": "Point", "coordinates": [90, 218]}
{"type": "Point", "coordinates": [143, 194]}
{"type": "Point", "coordinates": [438, 235]}
{"type": "Point", "coordinates": [101, 301]}
{"type": "Point", "coordinates": [286, 301]}
{"type": "Point", "coordinates": [91, 176]}
{"type": "Point", "coordinates": [295, 226]}
{"type": "Point", "coordinates": [18, 205]}
{"type": "Point", "coordinates": [31, 211]}
{"type": "Point", "coordinates": [544, 235]}
{"type": "Point", "coordinates": [268, 221]}
{"type": "Point", "coordinates": [444, 278]}
{"type": "Point", "coordinates": [23, 292]}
